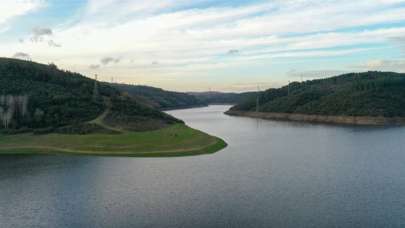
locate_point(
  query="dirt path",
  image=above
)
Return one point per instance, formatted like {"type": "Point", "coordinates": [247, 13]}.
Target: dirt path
{"type": "Point", "coordinates": [100, 119]}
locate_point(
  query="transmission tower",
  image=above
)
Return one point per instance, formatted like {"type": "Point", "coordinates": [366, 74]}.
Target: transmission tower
{"type": "Point", "coordinates": [95, 89]}
{"type": "Point", "coordinates": [258, 99]}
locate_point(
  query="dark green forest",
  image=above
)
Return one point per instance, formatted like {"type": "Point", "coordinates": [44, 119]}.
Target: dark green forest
{"type": "Point", "coordinates": [354, 94]}
{"type": "Point", "coordinates": [159, 98]}
{"type": "Point", "coordinates": [164, 100]}
{"type": "Point", "coordinates": [223, 98]}
{"type": "Point", "coordinates": [39, 96]}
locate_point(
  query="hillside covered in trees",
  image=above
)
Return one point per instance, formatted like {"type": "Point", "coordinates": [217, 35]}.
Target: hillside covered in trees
{"type": "Point", "coordinates": [159, 98]}
{"type": "Point", "coordinates": [223, 98]}
{"type": "Point", "coordinates": [164, 100]}
{"type": "Point", "coordinates": [374, 94]}
{"type": "Point", "coordinates": [38, 97]}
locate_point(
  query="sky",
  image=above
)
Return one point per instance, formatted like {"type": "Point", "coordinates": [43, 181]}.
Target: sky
{"type": "Point", "coordinates": [201, 45]}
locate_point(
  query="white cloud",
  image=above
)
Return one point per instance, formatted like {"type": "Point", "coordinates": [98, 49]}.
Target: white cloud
{"type": "Point", "coordinates": [384, 65]}
{"type": "Point", "coordinates": [108, 60]}
{"type": "Point", "coordinates": [314, 74]}
{"type": "Point", "coordinates": [13, 8]}
{"type": "Point", "coordinates": [39, 33]}
{"type": "Point", "coordinates": [52, 43]}
{"type": "Point", "coordinates": [22, 55]}
{"type": "Point", "coordinates": [185, 40]}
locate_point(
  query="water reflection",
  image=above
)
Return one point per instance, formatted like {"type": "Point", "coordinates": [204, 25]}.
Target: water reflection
{"type": "Point", "coordinates": [273, 174]}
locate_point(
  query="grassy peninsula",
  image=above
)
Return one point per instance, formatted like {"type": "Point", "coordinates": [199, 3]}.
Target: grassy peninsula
{"type": "Point", "coordinates": [176, 140]}
{"type": "Point", "coordinates": [47, 110]}
{"type": "Point", "coordinates": [369, 98]}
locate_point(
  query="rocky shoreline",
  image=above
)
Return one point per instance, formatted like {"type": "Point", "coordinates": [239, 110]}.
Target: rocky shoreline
{"type": "Point", "coordinates": [346, 120]}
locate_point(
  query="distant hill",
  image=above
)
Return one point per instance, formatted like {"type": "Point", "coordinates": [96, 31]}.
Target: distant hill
{"type": "Point", "coordinates": [159, 98]}
{"type": "Point", "coordinates": [163, 99]}
{"type": "Point", "coordinates": [223, 98]}
{"type": "Point", "coordinates": [36, 96]}
{"type": "Point", "coordinates": [373, 94]}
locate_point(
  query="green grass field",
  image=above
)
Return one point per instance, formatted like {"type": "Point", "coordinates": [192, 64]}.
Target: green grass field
{"type": "Point", "coordinates": [176, 140]}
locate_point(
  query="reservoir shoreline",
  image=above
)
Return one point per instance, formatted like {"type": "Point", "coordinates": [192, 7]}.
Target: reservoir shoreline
{"type": "Point", "coordinates": [343, 120]}
{"type": "Point", "coordinates": [271, 175]}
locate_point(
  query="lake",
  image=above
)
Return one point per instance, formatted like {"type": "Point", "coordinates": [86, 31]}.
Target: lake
{"type": "Point", "coordinates": [272, 174]}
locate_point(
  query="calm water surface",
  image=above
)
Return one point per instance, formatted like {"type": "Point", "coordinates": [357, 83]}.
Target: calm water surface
{"type": "Point", "coordinates": [273, 174]}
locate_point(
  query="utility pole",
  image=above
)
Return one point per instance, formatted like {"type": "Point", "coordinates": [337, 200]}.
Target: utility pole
{"type": "Point", "coordinates": [258, 99]}
{"type": "Point", "coordinates": [289, 88]}
{"type": "Point", "coordinates": [95, 90]}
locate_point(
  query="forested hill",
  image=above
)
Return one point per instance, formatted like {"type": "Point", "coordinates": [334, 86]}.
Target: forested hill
{"type": "Point", "coordinates": [159, 98]}
{"type": "Point", "coordinates": [163, 99]}
{"type": "Point", "coordinates": [36, 96]}
{"type": "Point", "coordinates": [354, 94]}
{"type": "Point", "coordinates": [222, 97]}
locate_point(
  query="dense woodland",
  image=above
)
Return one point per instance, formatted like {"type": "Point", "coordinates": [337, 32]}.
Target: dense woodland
{"type": "Point", "coordinates": [354, 94]}
{"type": "Point", "coordinates": [159, 98]}
{"type": "Point", "coordinates": [223, 98]}
{"type": "Point", "coordinates": [162, 99]}
{"type": "Point", "coordinates": [38, 96]}
{"type": "Point", "coordinates": [134, 116]}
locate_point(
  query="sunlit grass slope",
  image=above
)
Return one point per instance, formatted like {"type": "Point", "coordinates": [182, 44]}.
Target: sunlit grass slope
{"type": "Point", "coordinates": [176, 140]}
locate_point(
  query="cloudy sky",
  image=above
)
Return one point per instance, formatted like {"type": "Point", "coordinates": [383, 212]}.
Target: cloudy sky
{"type": "Point", "coordinates": [229, 45]}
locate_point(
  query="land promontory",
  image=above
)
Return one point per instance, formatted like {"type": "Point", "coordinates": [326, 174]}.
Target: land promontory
{"type": "Point", "coordinates": [369, 98]}
{"type": "Point", "coordinates": [44, 109]}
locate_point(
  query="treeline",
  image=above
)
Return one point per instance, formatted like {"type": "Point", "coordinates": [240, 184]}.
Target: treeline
{"type": "Point", "coordinates": [135, 116]}
{"type": "Point", "coordinates": [222, 98]}
{"type": "Point", "coordinates": [163, 99]}
{"type": "Point", "coordinates": [53, 97]}
{"type": "Point", "coordinates": [38, 96]}
{"type": "Point", "coordinates": [354, 94]}
{"type": "Point", "coordinates": [159, 98]}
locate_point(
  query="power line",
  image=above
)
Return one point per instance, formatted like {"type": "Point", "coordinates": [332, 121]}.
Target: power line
{"type": "Point", "coordinates": [258, 99]}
